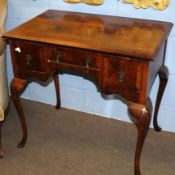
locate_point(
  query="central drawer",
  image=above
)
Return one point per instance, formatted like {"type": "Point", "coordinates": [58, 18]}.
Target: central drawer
{"type": "Point", "coordinates": [72, 57]}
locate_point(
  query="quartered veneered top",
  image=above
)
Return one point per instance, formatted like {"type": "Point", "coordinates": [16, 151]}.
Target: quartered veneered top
{"type": "Point", "coordinates": [117, 35]}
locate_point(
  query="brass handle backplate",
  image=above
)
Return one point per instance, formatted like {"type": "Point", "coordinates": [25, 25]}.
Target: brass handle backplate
{"type": "Point", "coordinates": [28, 59]}
{"type": "Point", "coordinates": [121, 75]}
{"type": "Point", "coordinates": [58, 56]}
{"type": "Point", "coordinates": [88, 61]}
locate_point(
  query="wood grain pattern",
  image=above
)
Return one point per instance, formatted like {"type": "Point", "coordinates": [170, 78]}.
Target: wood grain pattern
{"type": "Point", "coordinates": [89, 31]}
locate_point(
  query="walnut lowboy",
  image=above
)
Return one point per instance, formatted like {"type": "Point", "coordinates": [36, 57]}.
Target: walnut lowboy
{"type": "Point", "coordinates": [122, 55]}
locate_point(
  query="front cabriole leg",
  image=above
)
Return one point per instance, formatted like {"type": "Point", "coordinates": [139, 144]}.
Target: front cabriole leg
{"type": "Point", "coordinates": [141, 114]}
{"type": "Point", "coordinates": [163, 76]}
{"type": "Point", "coordinates": [17, 87]}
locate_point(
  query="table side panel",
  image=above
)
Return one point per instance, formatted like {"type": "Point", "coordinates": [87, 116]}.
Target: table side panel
{"type": "Point", "coordinates": [154, 66]}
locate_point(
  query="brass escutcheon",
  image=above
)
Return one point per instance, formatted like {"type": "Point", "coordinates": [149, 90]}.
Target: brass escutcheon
{"type": "Point", "coordinates": [121, 75]}
{"type": "Point", "coordinates": [28, 59]}
{"type": "Point", "coordinates": [58, 56]}
{"type": "Point", "coordinates": [88, 62]}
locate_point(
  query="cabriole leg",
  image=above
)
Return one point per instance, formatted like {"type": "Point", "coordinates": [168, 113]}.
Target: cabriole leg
{"type": "Point", "coordinates": [163, 76]}
{"type": "Point", "coordinates": [57, 89]}
{"type": "Point", "coordinates": [16, 88]}
{"type": "Point", "coordinates": [141, 114]}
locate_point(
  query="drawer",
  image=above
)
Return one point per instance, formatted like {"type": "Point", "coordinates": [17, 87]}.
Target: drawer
{"type": "Point", "coordinates": [28, 59]}
{"type": "Point", "coordinates": [68, 56]}
{"type": "Point", "coordinates": [122, 76]}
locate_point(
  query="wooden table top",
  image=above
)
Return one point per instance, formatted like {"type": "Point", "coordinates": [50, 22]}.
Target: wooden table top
{"type": "Point", "coordinates": [116, 35]}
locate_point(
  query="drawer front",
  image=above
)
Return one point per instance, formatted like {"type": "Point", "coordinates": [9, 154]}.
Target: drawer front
{"type": "Point", "coordinates": [28, 59]}
{"type": "Point", "coordinates": [122, 76]}
{"type": "Point", "coordinates": [68, 56]}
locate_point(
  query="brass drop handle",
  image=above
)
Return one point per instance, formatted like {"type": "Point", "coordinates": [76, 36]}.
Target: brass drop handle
{"type": "Point", "coordinates": [88, 61]}
{"type": "Point", "coordinates": [121, 75]}
{"type": "Point", "coordinates": [28, 59]}
{"type": "Point", "coordinates": [58, 56]}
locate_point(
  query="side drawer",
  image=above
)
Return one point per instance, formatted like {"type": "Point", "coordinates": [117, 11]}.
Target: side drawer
{"type": "Point", "coordinates": [122, 76]}
{"type": "Point", "coordinates": [28, 59]}
{"type": "Point", "coordinates": [69, 56]}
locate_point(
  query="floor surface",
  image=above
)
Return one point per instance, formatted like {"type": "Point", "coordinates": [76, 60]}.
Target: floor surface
{"type": "Point", "coordinates": [67, 142]}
